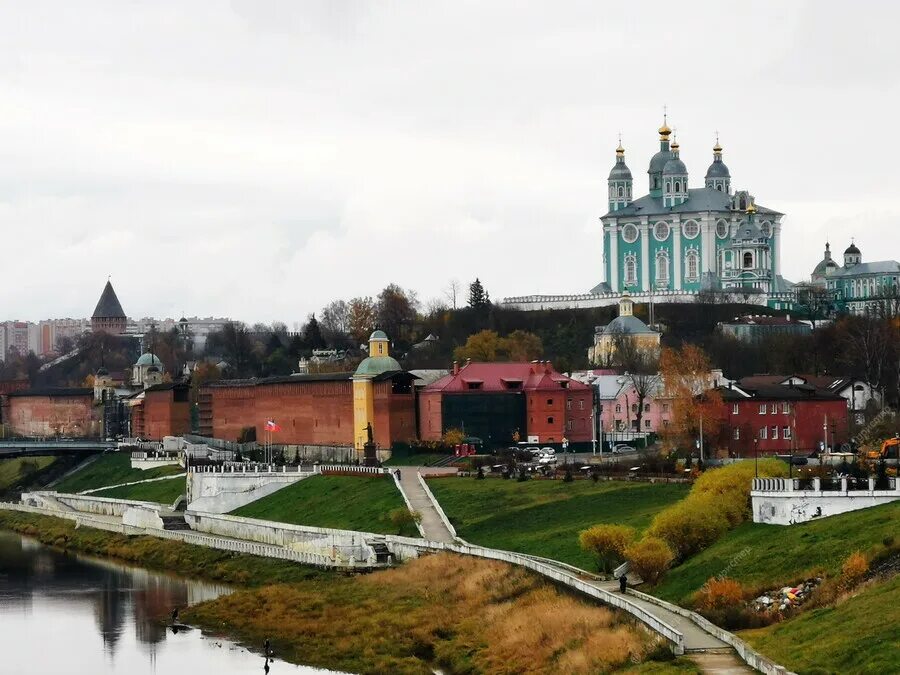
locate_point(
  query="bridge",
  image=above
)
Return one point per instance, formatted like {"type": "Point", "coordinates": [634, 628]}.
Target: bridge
{"type": "Point", "coordinates": [37, 447]}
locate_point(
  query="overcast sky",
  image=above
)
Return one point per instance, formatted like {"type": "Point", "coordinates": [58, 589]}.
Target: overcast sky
{"type": "Point", "coordinates": [258, 158]}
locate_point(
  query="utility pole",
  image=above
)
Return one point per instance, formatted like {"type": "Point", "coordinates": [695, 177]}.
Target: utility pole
{"type": "Point", "coordinates": [701, 436]}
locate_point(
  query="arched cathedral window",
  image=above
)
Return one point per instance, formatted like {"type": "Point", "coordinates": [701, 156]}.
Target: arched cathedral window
{"type": "Point", "coordinates": [692, 264]}
{"type": "Point", "coordinates": [662, 267]}
{"type": "Point", "coordinates": [630, 270]}
{"type": "Point", "coordinates": [748, 260]}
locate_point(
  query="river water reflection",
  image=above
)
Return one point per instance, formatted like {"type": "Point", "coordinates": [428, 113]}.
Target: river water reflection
{"type": "Point", "coordinates": [72, 615]}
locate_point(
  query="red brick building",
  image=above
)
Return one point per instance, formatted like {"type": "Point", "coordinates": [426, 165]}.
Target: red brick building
{"type": "Point", "coordinates": [161, 410]}
{"type": "Point", "coordinates": [310, 409]}
{"type": "Point", "coordinates": [498, 402]}
{"type": "Point", "coordinates": [781, 419]}
{"type": "Point", "coordinates": [49, 412]}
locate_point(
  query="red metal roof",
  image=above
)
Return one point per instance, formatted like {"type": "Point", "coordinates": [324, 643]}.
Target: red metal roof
{"type": "Point", "coordinates": [496, 377]}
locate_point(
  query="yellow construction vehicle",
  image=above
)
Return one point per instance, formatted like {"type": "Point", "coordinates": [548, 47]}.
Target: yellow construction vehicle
{"type": "Point", "coordinates": [889, 450]}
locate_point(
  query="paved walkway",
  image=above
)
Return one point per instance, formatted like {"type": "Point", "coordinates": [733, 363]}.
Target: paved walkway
{"type": "Point", "coordinates": [432, 525]}
{"type": "Point", "coordinates": [694, 636]}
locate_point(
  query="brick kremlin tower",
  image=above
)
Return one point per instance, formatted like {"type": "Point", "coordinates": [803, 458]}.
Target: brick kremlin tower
{"type": "Point", "coordinates": [108, 316]}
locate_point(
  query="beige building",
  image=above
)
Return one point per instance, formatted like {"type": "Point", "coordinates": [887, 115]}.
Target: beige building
{"type": "Point", "coordinates": [625, 327]}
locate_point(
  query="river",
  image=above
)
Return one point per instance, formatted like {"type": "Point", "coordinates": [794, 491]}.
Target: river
{"type": "Point", "coordinates": [69, 614]}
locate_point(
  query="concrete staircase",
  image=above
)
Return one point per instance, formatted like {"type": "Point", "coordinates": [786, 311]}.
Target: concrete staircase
{"type": "Point", "coordinates": [174, 522]}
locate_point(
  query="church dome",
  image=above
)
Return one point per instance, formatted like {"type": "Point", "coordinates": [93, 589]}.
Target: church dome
{"type": "Point", "coordinates": [102, 372]}
{"type": "Point", "coordinates": [852, 250]}
{"type": "Point", "coordinates": [674, 167]}
{"type": "Point", "coordinates": [658, 161]}
{"type": "Point", "coordinates": [718, 170]}
{"type": "Point", "coordinates": [148, 359]}
{"type": "Point", "coordinates": [376, 365]}
{"type": "Point", "coordinates": [620, 171]}
{"type": "Point", "coordinates": [378, 335]}
{"type": "Point", "coordinates": [824, 265]}
{"type": "Point", "coordinates": [630, 325]}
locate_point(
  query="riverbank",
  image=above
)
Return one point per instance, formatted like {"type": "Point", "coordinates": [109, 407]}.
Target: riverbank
{"type": "Point", "coordinates": [463, 614]}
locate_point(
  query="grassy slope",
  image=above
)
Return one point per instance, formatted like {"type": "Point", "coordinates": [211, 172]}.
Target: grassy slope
{"type": "Point", "coordinates": [473, 615]}
{"type": "Point", "coordinates": [544, 517]}
{"type": "Point", "coordinates": [859, 635]}
{"type": "Point", "coordinates": [11, 469]}
{"type": "Point", "coordinates": [162, 491]}
{"type": "Point", "coordinates": [343, 502]}
{"type": "Point", "coordinates": [765, 556]}
{"type": "Point", "coordinates": [111, 469]}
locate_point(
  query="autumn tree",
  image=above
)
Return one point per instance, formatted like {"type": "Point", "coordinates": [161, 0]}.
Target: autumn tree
{"type": "Point", "coordinates": [396, 311]}
{"type": "Point", "coordinates": [521, 345]}
{"type": "Point", "coordinates": [312, 334]}
{"type": "Point", "coordinates": [607, 542]}
{"type": "Point", "coordinates": [687, 383]}
{"type": "Point", "coordinates": [482, 346]}
{"type": "Point", "coordinates": [335, 322]}
{"type": "Point", "coordinates": [361, 317]}
{"type": "Point", "coordinates": [487, 345]}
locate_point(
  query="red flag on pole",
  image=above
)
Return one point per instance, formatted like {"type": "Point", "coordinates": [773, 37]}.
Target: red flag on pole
{"type": "Point", "coordinates": [271, 426]}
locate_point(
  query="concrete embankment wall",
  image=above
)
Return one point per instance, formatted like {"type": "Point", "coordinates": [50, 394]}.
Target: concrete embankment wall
{"type": "Point", "coordinates": [342, 543]}
{"type": "Point", "coordinates": [223, 492]}
{"type": "Point", "coordinates": [100, 506]}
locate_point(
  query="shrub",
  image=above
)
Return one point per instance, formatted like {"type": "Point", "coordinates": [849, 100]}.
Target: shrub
{"type": "Point", "coordinates": [568, 477]}
{"type": "Point", "coordinates": [452, 437]}
{"type": "Point", "coordinates": [718, 501]}
{"type": "Point", "coordinates": [649, 558]}
{"type": "Point", "coordinates": [854, 569]}
{"type": "Point", "coordinates": [689, 526]}
{"type": "Point", "coordinates": [401, 517]}
{"type": "Point", "coordinates": [607, 542]}
{"type": "Point", "coordinates": [480, 474]}
{"type": "Point", "coordinates": [719, 594]}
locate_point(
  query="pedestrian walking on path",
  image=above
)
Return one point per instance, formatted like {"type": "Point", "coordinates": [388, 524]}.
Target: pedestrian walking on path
{"type": "Point", "coordinates": [623, 583]}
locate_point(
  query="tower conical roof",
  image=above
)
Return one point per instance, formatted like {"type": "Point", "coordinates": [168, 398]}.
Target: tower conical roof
{"type": "Point", "coordinates": [108, 307]}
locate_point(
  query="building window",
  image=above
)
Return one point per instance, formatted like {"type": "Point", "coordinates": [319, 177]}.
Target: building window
{"type": "Point", "coordinates": [549, 420]}
{"type": "Point", "coordinates": [773, 408]}
{"type": "Point", "coordinates": [601, 407]}
{"type": "Point", "coordinates": [661, 231]}
{"type": "Point", "coordinates": [618, 408]}
{"type": "Point", "coordinates": [691, 229]}
{"type": "Point", "coordinates": [630, 233]}
{"type": "Point", "coordinates": [786, 408]}
{"type": "Point", "coordinates": [568, 404]}
{"type": "Point", "coordinates": [762, 432]}
{"type": "Point", "coordinates": [762, 408]}
{"type": "Point", "coordinates": [646, 424]}
{"type": "Point", "coordinates": [737, 433]}
{"type": "Point", "coordinates": [734, 408]}
{"type": "Point", "coordinates": [621, 191]}
{"type": "Point", "coordinates": [662, 266]}
{"type": "Point", "coordinates": [549, 401]}
{"type": "Point", "coordinates": [630, 270]}
{"type": "Point", "coordinates": [721, 229]}
{"type": "Point", "coordinates": [692, 264]}
{"type": "Point", "coordinates": [646, 407]}
{"type": "Point", "coordinates": [634, 407]}
{"type": "Point", "coordinates": [748, 260]}
{"type": "Point", "coordinates": [665, 407]}
{"type": "Point", "coordinates": [581, 404]}
{"type": "Point", "coordinates": [665, 423]}
{"type": "Point", "coordinates": [774, 433]}
{"type": "Point", "coordinates": [786, 433]}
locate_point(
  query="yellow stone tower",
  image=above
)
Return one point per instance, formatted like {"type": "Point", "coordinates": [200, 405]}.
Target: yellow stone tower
{"type": "Point", "coordinates": [378, 362]}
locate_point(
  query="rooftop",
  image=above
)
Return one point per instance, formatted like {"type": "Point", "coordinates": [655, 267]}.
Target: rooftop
{"type": "Point", "coordinates": [494, 377]}
{"type": "Point", "coordinates": [108, 307]}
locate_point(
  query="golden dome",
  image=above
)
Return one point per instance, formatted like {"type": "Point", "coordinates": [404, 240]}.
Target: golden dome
{"type": "Point", "coordinates": [751, 208]}
{"type": "Point", "coordinates": [620, 150]}
{"type": "Point", "coordinates": [664, 131]}
{"type": "Point", "coordinates": [717, 147]}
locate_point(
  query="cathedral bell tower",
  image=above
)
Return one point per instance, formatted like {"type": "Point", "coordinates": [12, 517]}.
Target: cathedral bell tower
{"type": "Point", "coordinates": [619, 181]}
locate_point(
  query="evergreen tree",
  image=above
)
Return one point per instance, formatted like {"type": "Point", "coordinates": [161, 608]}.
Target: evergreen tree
{"type": "Point", "coordinates": [312, 334]}
{"type": "Point", "coordinates": [478, 297]}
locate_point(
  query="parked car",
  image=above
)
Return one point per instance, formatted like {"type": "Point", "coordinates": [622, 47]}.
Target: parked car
{"type": "Point", "coordinates": [547, 459]}
{"type": "Point", "coordinates": [621, 449]}
{"type": "Point", "coordinates": [548, 450]}
{"type": "Point", "coordinates": [533, 450]}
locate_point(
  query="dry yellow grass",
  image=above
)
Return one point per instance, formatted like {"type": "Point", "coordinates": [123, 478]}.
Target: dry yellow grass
{"type": "Point", "coordinates": [464, 614]}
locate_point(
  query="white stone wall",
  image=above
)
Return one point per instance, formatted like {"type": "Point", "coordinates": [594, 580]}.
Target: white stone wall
{"type": "Point", "coordinates": [223, 492]}
{"type": "Point", "coordinates": [778, 501]}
